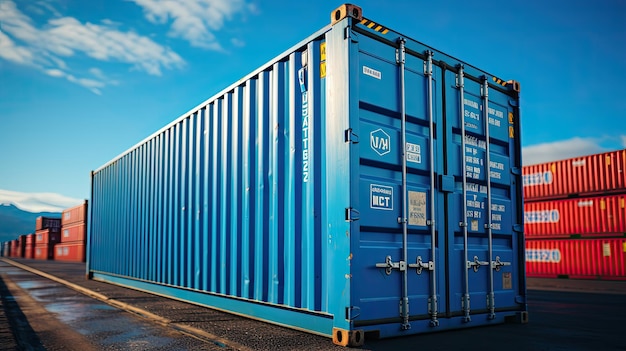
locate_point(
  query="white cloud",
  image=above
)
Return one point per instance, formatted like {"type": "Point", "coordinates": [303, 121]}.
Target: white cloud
{"type": "Point", "coordinates": [623, 139]}
{"type": "Point", "coordinates": [194, 20]}
{"type": "Point", "coordinates": [560, 150]}
{"type": "Point", "coordinates": [11, 52]}
{"type": "Point", "coordinates": [237, 42]}
{"type": "Point", "coordinates": [45, 47]}
{"type": "Point", "coordinates": [38, 202]}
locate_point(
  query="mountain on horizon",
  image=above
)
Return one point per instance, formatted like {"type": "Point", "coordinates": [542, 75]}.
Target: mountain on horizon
{"type": "Point", "coordinates": [15, 221]}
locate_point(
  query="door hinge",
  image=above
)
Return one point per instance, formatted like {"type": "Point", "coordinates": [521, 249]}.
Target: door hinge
{"type": "Point", "coordinates": [353, 312]}
{"type": "Point", "coordinates": [352, 214]}
{"type": "Point", "coordinates": [351, 137]}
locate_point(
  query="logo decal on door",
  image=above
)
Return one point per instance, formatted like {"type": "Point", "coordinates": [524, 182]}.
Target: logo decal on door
{"type": "Point", "coordinates": [381, 197]}
{"type": "Point", "coordinates": [380, 142]}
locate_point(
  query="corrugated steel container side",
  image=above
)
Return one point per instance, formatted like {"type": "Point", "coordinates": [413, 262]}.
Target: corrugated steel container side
{"type": "Point", "coordinates": [279, 198]}
{"type": "Point", "coordinates": [30, 238]}
{"type": "Point", "coordinates": [29, 251]}
{"type": "Point", "coordinates": [47, 223]}
{"type": "Point", "coordinates": [44, 251]}
{"type": "Point", "coordinates": [47, 236]}
{"type": "Point", "coordinates": [76, 214]}
{"type": "Point", "coordinates": [586, 217]}
{"type": "Point", "coordinates": [74, 232]}
{"type": "Point", "coordinates": [582, 176]}
{"type": "Point", "coordinates": [577, 258]}
{"type": "Point", "coordinates": [21, 246]}
{"type": "Point", "coordinates": [70, 251]}
{"type": "Point", "coordinates": [15, 248]}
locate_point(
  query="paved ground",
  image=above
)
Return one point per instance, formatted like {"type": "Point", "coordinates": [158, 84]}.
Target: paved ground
{"type": "Point", "coordinates": [564, 315]}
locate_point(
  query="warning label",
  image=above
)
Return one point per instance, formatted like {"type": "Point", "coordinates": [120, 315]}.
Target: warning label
{"type": "Point", "coordinates": [417, 208]}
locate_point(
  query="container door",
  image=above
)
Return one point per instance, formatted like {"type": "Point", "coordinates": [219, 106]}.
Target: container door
{"type": "Point", "coordinates": [484, 232]}
{"type": "Point", "coordinates": [399, 245]}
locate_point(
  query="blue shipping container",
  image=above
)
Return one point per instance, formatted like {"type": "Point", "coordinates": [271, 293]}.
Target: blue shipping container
{"type": "Point", "coordinates": [360, 184]}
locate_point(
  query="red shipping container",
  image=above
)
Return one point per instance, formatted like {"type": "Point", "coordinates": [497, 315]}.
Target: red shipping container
{"type": "Point", "coordinates": [47, 222]}
{"type": "Point", "coordinates": [14, 248]}
{"type": "Point", "coordinates": [71, 251]}
{"type": "Point", "coordinates": [47, 236]}
{"type": "Point", "coordinates": [44, 251]}
{"type": "Point", "coordinates": [74, 214]}
{"type": "Point", "coordinates": [74, 232]}
{"type": "Point", "coordinates": [587, 217]}
{"type": "Point", "coordinates": [30, 239]}
{"type": "Point", "coordinates": [29, 251]}
{"type": "Point", "coordinates": [577, 258]}
{"type": "Point", "coordinates": [588, 175]}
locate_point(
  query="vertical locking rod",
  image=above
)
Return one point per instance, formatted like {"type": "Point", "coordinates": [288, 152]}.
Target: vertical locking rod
{"type": "Point", "coordinates": [464, 224]}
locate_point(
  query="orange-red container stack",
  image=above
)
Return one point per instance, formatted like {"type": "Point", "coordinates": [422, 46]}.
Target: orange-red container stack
{"type": "Point", "coordinates": [575, 217]}
{"type": "Point", "coordinates": [73, 234]}
{"type": "Point", "coordinates": [47, 233]}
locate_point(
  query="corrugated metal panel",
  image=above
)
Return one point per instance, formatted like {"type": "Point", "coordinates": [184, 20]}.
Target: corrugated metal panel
{"type": "Point", "coordinates": [76, 214]}
{"type": "Point", "coordinates": [47, 236]}
{"type": "Point", "coordinates": [592, 216]}
{"type": "Point", "coordinates": [73, 232]}
{"type": "Point", "coordinates": [29, 251]}
{"type": "Point", "coordinates": [44, 251]}
{"type": "Point", "coordinates": [589, 175]}
{"type": "Point", "coordinates": [47, 222]}
{"type": "Point", "coordinates": [577, 258]}
{"type": "Point", "coordinates": [280, 197]}
{"type": "Point", "coordinates": [70, 251]}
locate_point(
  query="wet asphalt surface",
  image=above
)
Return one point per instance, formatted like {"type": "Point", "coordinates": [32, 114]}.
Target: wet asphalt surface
{"type": "Point", "coordinates": [45, 315]}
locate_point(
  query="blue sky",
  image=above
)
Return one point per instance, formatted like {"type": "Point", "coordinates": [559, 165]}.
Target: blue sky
{"type": "Point", "coordinates": [82, 81]}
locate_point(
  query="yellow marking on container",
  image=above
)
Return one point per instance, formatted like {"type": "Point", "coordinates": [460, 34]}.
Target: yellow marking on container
{"type": "Point", "coordinates": [375, 26]}
{"type": "Point", "coordinates": [624, 246]}
{"type": "Point", "coordinates": [621, 202]}
{"type": "Point", "coordinates": [511, 118]}
{"type": "Point", "coordinates": [323, 51]}
{"type": "Point", "coordinates": [608, 160]}
{"type": "Point", "coordinates": [602, 204]}
{"type": "Point", "coordinates": [323, 69]}
{"type": "Point", "coordinates": [511, 132]}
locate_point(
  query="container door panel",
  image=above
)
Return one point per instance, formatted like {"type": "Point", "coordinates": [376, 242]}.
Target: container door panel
{"type": "Point", "coordinates": [381, 193]}
{"type": "Point", "coordinates": [488, 188]}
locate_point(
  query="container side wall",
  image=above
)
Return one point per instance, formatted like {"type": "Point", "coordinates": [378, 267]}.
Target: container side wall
{"type": "Point", "coordinates": [227, 200]}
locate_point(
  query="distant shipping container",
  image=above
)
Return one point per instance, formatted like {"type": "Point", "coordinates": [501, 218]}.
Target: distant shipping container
{"type": "Point", "coordinates": [581, 176]}
{"type": "Point", "coordinates": [577, 258]}
{"type": "Point", "coordinates": [29, 251]}
{"type": "Point", "coordinates": [327, 189]}
{"type": "Point", "coordinates": [15, 248]}
{"type": "Point", "coordinates": [74, 232]}
{"type": "Point", "coordinates": [48, 223]}
{"type": "Point", "coordinates": [70, 251]}
{"type": "Point", "coordinates": [76, 214]}
{"type": "Point", "coordinates": [6, 249]}
{"type": "Point", "coordinates": [47, 236]}
{"type": "Point", "coordinates": [44, 251]}
{"type": "Point", "coordinates": [586, 217]}
{"type": "Point", "coordinates": [21, 243]}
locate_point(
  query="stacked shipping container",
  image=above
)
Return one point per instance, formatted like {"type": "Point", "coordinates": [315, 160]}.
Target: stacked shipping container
{"type": "Point", "coordinates": [575, 217]}
{"type": "Point", "coordinates": [73, 234]}
{"type": "Point", "coordinates": [47, 233]}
